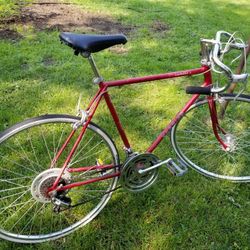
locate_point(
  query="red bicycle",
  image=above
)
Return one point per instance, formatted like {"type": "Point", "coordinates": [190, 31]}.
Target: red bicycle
{"type": "Point", "coordinates": [58, 172]}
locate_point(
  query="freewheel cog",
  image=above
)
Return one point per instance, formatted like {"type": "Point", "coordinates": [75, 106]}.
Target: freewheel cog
{"type": "Point", "coordinates": [130, 177]}
{"type": "Point", "coordinates": [44, 180]}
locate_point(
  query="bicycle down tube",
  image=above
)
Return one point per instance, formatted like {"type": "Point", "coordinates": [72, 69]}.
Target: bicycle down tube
{"type": "Point", "coordinates": [103, 92]}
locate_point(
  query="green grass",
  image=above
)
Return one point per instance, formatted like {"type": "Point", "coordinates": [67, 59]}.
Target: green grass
{"type": "Point", "coordinates": [190, 212]}
{"type": "Point", "coordinates": [11, 7]}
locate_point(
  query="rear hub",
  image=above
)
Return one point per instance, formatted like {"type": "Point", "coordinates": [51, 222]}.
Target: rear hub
{"type": "Point", "coordinates": [42, 183]}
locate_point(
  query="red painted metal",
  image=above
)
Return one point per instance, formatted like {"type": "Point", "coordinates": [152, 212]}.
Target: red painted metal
{"type": "Point", "coordinates": [69, 157]}
{"type": "Point", "coordinates": [89, 168]}
{"type": "Point", "coordinates": [65, 165]}
{"type": "Point", "coordinates": [117, 120]}
{"type": "Point", "coordinates": [94, 104]}
{"type": "Point", "coordinates": [172, 123]}
{"type": "Point", "coordinates": [207, 82]}
{"type": "Point", "coordinates": [94, 98]}
{"type": "Point", "coordinates": [215, 122]}
{"type": "Point", "coordinates": [156, 77]}
{"type": "Point", "coordinates": [62, 149]}
{"type": "Point", "coordinates": [81, 183]}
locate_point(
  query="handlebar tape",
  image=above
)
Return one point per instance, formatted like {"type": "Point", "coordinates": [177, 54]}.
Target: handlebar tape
{"type": "Point", "coordinates": [198, 90]}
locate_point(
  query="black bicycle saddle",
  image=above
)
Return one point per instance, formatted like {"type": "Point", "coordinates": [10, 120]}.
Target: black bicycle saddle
{"type": "Point", "coordinates": [91, 43]}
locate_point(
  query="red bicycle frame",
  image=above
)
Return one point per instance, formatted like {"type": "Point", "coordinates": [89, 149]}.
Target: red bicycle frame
{"type": "Point", "coordinates": [103, 93]}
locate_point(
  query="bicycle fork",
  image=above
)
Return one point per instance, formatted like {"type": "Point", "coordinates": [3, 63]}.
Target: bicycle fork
{"type": "Point", "coordinates": [216, 126]}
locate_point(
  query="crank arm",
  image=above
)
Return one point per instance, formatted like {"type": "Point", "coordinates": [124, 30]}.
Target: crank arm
{"type": "Point", "coordinates": [142, 171]}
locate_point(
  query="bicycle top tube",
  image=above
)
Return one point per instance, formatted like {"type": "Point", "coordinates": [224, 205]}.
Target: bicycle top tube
{"type": "Point", "coordinates": [169, 75]}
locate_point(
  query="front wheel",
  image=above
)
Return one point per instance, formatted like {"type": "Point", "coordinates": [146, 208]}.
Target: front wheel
{"type": "Point", "coordinates": [26, 152]}
{"type": "Point", "coordinates": [194, 141]}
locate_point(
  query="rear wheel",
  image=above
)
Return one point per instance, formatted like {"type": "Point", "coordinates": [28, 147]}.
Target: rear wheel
{"type": "Point", "coordinates": [194, 142]}
{"type": "Point", "coordinates": [26, 151]}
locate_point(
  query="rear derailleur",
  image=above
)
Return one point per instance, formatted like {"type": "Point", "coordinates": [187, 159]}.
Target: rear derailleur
{"type": "Point", "coordinates": [61, 202]}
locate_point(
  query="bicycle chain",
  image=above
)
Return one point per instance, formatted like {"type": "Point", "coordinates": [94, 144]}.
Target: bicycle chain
{"type": "Point", "coordinates": [84, 202]}
{"type": "Point", "coordinates": [99, 196]}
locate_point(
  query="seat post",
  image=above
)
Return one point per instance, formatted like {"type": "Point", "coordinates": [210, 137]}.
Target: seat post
{"type": "Point", "coordinates": [98, 78]}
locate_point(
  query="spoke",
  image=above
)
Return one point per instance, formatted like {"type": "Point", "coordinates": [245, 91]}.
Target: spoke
{"type": "Point", "coordinates": [25, 154]}
{"type": "Point", "coordinates": [239, 142]}
{"type": "Point", "coordinates": [84, 173]}
{"type": "Point", "coordinates": [9, 147]}
{"type": "Point", "coordinates": [240, 147]}
{"type": "Point", "coordinates": [32, 218]}
{"type": "Point", "coordinates": [2, 191]}
{"type": "Point", "coordinates": [52, 226]}
{"type": "Point", "coordinates": [229, 155]}
{"type": "Point", "coordinates": [79, 160]}
{"type": "Point", "coordinates": [23, 205]}
{"type": "Point", "coordinates": [206, 132]}
{"type": "Point", "coordinates": [198, 121]}
{"type": "Point", "coordinates": [60, 139]}
{"type": "Point", "coordinates": [206, 156]}
{"type": "Point", "coordinates": [86, 157]}
{"type": "Point", "coordinates": [46, 145]}
{"type": "Point", "coordinates": [243, 152]}
{"type": "Point", "coordinates": [54, 145]}
{"type": "Point", "coordinates": [32, 170]}
{"type": "Point", "coordinates": [23, 215]}
{"type": "Point", "coordinates": [205, 149]}
{"type": "Point", "coordinates": [34, 152]}
{"type": "Point", "coordinates": [93, 147]}
{"type": "Point", "coordinates": [19, 178]}
{"type": "Point", "coordinates": [11, 195]}
{"type": "Point", "coordinates": [2, 210]}
{"type": "Point", "coordinates": [90, 172]}
{"type": "Point", "coordinates": [82, 147]}
{"type": "Point", "coordinates": [220, 160]}
{"type": "Point", "coordinates": [4, 169]}
{"type": "Point", "coordinates": [10, 182]}
{"type": "Point", "coordinates": [40, 223]}
{"type": "Point", "coordinates": [195, 141]}
{"type": "Point", "coordinates": [94, 190]}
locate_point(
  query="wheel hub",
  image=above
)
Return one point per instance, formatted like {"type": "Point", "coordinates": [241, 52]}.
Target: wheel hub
{"type": "Point", "coordinates": [41, 184]}
{"type": "Point", "coordinates": [231, 142]}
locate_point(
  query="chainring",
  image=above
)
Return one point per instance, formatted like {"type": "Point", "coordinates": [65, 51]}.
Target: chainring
{"type": "Point", "coordinates": [131, 179]}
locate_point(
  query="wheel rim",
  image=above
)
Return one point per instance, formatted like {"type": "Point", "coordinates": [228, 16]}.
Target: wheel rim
{"type": "Point", "coordinates": [194, 142]}
{"type": "Point", "coordinates": [21, 164]}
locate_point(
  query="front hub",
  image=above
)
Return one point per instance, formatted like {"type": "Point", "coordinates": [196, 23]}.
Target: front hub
{"type": "Point", "coordinates": [230, 142]}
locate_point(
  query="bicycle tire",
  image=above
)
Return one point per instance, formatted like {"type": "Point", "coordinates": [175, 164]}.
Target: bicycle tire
{"type": "Point", "coordinates": [21, 166]}
{"type": "Point", "coordinates": [194, 142]}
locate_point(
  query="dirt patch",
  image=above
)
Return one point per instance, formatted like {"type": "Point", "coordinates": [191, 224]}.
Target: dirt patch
{"type": "Point", "coordinates": [159, 27]}
{"type": "Point", "coordinates": [55, 15]}
{"type": "Point", "coordinates": [8, 34]}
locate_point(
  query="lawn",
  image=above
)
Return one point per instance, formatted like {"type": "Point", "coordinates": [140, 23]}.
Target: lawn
{"type": "Point", "coordinates": [39, 75]}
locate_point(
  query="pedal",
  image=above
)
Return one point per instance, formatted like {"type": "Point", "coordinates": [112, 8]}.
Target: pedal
{"type": "Point", "coordinates": [177, 170]}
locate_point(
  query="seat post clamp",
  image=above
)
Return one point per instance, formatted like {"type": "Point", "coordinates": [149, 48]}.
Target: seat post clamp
{"type": "Point", "coordinates": [97, 80]}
